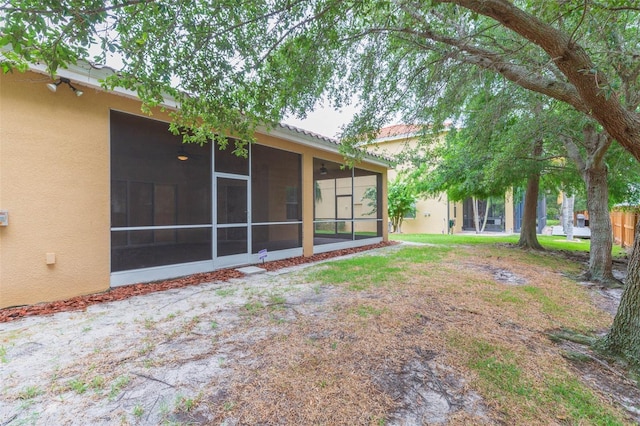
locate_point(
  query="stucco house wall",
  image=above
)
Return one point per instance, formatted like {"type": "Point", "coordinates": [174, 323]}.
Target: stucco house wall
{"type": "Point", "coordinates": [55, 185]}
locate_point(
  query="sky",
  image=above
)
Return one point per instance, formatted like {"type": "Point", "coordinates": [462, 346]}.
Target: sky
{"type": "Point", "coordinates": [324, 120]}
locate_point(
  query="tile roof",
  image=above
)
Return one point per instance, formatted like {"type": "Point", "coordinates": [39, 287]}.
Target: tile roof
{"type": "Point", "coordinates": [398, 129]}
{"type": "Point", "coordinates": [90, 74]}
{"type": "Point", "coordinates": [309, 133]}
{"type": "Point", "coordinates": [330, 141]}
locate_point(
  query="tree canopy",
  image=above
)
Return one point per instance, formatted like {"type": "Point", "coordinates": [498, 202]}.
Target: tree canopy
{"type": "Point", "coordinates": [231, 66]}
{"type": "Point", "coordinates": [493, 151]}
{"type": "Point", "coordinates": [234, 65]}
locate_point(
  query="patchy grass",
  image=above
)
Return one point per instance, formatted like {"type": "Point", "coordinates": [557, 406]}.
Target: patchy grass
{"type": "Point", "coordinates": [97, 383]}
{"type": "Point", "coordinates": [504, 379]}
{"type": "Point", "coordinates": [254, 308]}
{"type": "Point", "coordinates": [138, 411]}
{"type": "Point", "coordinates": [580, 403]}
{"type": "Point", "coordinates": [226, 292]}
{"type": "Point", "coordinates": [119, 383]}
{"type": "Point", "coordinates": [366, 311]}
{"type": "Point", "coordinates": [498, 369]}
{"type": "Point", "coordinates": [276, 301]}
{"type": "Point", "coordinates": [417, 299]}
{"type": "Point", "coordinates": [455, 239]}
{"type": "Point", "coordinates": [367, 272]}
{"type": "Point", "coordinates": [78, 385]}
{"type": "Point", "coordinates": [360, 273]}
{"type": "Point", "coordinates": [548, 304]}
{"type": "Point", "coordinates": [30, 392]}
{"type": "Point", "coordinates": [185, 404]}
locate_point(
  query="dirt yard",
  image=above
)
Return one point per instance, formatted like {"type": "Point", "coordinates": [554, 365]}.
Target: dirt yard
{"type": "Point", "coordinates": [400, 335]}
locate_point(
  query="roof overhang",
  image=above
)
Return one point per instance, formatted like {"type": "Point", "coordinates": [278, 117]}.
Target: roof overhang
{"type": "Point", "coordinates": [306, 138]}
{"type": "Point", "coordinates": [92, 76]}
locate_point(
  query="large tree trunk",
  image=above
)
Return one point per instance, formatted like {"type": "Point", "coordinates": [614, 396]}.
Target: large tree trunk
{"type": "Point", "coordinates": [600, 262]}
{"type": "Point", "coordinates": [594, 173]}
{"type": "Point", "coordinates": [528, 230]}
{"type": "Point", "coordinates": [585, 92]}
{"type": "Point", "coordinates": [476, 219]}
{"type": "Point", "coordinates": [624, 337]}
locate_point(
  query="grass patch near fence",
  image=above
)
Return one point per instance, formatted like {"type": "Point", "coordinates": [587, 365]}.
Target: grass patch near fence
{"type": "Point", "coordinates": [549, 242]}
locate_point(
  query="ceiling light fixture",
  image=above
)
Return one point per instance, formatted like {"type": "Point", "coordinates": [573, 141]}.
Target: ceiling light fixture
{"type": "Point", "coordinates": [182, 154]}
{"type": "Point", "coordinates": [54, 86]}
{"type": "Point", "coordinates": [323, 170]}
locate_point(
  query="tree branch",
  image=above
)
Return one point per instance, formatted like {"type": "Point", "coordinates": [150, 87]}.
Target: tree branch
{"type": "Point", "coordinates": [584, 14]}
{"type": "Point", "coordinates": [574, 152]}
{"type": "Point", "coordinates": [575, 64]}
{"type": "Point", "coordinates": [83, 12]}
{"type": "Point", "coordinates": [493, 61]}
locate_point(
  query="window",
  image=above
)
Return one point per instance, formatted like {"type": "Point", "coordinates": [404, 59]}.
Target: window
{"type": "Point", "coordinates": [293, 207]}
{"type": "Point", "coordinates": [412, 213]}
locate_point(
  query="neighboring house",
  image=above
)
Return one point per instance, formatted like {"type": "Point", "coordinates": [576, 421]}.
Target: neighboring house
{"type": "Point", "coordinates": [434, 214]}
{"type": "Point", "coordinates": [97, 194]}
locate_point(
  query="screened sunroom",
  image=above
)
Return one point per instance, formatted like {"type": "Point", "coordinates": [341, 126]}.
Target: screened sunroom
{"type": "Point", "coordinates": [180, 209]}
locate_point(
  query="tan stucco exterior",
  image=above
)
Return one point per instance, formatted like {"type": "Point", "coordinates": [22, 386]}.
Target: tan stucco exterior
{"type": "Point", "coordinates": [432, 216]}
{"type": "Point", "coordinates": [509, 220]}
{"type": "Point", "coordinates": [54, 182]}
{"type": "Point", "coordinates": [55, 185]}
{"type": "Point", "coordinates": [432, 213]}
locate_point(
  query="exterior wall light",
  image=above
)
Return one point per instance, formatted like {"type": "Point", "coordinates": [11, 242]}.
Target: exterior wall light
{"type": "Point", "coordinates": [323, 170]}
{"type": "Point", "coordinates": [54, 86]}
{"type": "Point", "coordinates": [182, 154]}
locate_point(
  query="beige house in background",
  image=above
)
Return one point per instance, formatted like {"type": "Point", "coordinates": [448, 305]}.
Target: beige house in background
{"type": "Point", "coordinates": [94, 194]}
{"type": "Point", "coordinates": [433, 214]}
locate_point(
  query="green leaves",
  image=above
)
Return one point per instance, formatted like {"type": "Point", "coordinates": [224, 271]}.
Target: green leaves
{"type": "Point", "coordinates": [402, 199]}
{"type": "Point", "coordinates": [408, 62]}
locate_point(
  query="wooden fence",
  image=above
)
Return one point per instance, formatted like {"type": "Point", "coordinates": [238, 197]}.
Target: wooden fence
{"type": "Point", "coordinates": [623, 224]}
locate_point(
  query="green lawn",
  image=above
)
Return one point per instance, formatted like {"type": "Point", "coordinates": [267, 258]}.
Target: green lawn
{"type": "Point", "coordinates": [549, 242]}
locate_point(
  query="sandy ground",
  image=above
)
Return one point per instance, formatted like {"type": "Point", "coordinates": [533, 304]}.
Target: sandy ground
{"type": "Point", "coordinates": [140, 360]}
{"type": "Point", "coordinates": [169, 358]}
{"type": "Point", "coordinates": [147, 359]}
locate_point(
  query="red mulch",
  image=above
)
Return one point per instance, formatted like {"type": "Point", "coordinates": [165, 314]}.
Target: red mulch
{"type": "Point", "coordinates": [80, 303]}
